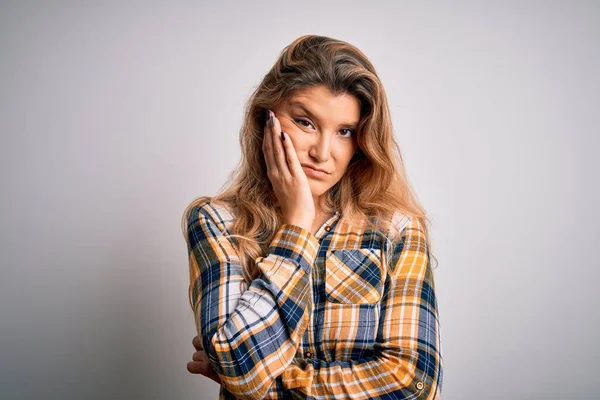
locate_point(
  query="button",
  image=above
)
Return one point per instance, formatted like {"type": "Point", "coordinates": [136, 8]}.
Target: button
{"type": "Point", "coordinates": [419, 385]}
{"type": "Point", "coordinates": [308, 354]}
{"type": "Point", "coordinates": [327, 228]}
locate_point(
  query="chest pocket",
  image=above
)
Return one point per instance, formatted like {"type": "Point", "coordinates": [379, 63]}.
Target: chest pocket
{"type": "Point", "coordinates": [353, 276]}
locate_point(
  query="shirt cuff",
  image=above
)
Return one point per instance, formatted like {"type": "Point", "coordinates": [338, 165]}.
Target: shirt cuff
{"type": "Point", "coordinates": [295, 243]}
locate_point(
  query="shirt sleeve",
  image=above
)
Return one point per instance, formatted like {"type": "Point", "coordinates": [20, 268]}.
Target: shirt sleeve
{"type": "Point", "coordinates": [250, 336]}
{"type": "Point", "coordinates": [407, 360]}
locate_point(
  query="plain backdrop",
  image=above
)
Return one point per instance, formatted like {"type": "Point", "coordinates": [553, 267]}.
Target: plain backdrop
{"type": "Point", "coordinates": [114, 115]}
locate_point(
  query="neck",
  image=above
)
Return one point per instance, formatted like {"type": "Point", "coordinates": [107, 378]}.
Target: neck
{"type": "Point", "coordinates": [320, 210]}
{"type": "Point", "coordinates": [319, 205]}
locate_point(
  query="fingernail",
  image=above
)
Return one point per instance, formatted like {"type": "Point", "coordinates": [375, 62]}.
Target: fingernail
{"type": "Point", "coordinates": [282, 136]}
{"type": "Point", "coordinates": [268, 117]}
{"type": "Point", "coordinates": [271, 118]}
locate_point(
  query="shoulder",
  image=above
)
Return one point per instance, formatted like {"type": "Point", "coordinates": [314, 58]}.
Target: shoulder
{"type": "Point", "coordinates": [405, 229]}
{"type": "Point", "coordinates": [211, 213]}
{"type": "Point", "coordinates": [410, 239]}
{"type": "Point", "coordinates": [399, 222]}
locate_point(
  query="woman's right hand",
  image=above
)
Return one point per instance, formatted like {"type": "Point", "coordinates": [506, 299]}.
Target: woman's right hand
{"type": "Point", "coordinates": [289, 181]}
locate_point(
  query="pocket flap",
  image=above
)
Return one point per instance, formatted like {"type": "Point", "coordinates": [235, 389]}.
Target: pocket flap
{"type": "Point", "coordinates": [353, 276]}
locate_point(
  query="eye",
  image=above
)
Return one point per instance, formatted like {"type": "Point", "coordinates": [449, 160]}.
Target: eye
{"type": "Point", "coordinates": [301, 121]}
{"type": "Point", "coordinates": [350, 133]}
{"type": "Point", "coordinates": [349, 130]}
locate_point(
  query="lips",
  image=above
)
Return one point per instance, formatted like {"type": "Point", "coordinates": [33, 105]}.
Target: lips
{"type": "Point", "coordinates": [315, 168]}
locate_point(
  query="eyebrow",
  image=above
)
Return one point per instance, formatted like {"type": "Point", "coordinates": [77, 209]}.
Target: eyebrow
{"type": "Point", "coordinates": [301, 105]}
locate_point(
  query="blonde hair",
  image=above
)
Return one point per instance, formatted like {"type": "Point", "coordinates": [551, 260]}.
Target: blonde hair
{"type": "Point", "coordinates": [375, 183]}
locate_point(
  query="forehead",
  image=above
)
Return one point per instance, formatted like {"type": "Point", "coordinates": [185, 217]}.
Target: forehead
{"type": "Point", "coordinates": [323, 104]}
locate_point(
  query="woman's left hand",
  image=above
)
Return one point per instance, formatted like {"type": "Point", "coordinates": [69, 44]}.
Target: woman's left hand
{"type": "Point", "coordinates": [201, 364]}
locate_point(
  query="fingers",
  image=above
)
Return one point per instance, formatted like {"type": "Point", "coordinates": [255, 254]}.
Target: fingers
{"type": "Point", "coordinates": [199, 356]}
{"type": "Point", "coordinates": [203, 368]}
{"type": "Point", "coordinates": [197, 344]}
{"type": "Point", "coordinates": [279, 150]}
{"type": "Point", "coordinates": [291, 157]}
{"type": "Point", "coordinates": [196, 367]}
{"type": "Point", "coordinates": [267, 147]}
{"type": "Point", "coordinates": [274, 150]}
{"type": "Point", "coordinates": [200, 364]}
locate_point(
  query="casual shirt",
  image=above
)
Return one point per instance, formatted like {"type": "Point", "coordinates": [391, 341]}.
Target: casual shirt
{"type": "Point", "coordinates": [329, 316]}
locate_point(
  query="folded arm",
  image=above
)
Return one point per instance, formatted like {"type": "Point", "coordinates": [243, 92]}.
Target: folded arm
{"type": "Point", "coordinates": [250, 337]}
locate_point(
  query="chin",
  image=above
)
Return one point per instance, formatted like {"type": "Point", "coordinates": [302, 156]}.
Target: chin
{"type": "Point", "coordinates": [317, 188]}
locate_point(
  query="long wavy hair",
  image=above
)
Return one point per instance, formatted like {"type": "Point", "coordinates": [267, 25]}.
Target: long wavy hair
{"type": "Point", "coordinates": [375, 183]}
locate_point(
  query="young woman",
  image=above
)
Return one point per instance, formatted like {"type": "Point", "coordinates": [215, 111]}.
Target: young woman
{"type": "Point", "coordinates": [310, 274]}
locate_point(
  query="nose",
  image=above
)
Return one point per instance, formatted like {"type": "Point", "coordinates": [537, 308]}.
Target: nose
{"type": "Point", "coordinates": [321, 148]}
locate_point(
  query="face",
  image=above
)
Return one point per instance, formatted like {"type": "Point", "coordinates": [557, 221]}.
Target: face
{"type": "Point", "coordinates": [322, 128]}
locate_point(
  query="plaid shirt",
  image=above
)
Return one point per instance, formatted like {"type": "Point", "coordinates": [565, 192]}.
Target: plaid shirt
{"type": "Point", "coordinates": [327, 318]}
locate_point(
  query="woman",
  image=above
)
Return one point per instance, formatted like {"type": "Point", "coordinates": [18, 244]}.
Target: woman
{"type": "Point", "coordinates": [310, 274]}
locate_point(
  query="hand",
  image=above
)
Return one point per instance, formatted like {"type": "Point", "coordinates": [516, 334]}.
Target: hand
{"type": "Point", "coordinates": [289, 181]}
{"type": "Point", "coordinates": [201, 364]}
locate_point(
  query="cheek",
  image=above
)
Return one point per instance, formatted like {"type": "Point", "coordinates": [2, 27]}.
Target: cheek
{"type": "Point", "coordinates": [287, 125]}
{"type": "Point", "coordinates": [296, 138]}
{"type": "Point", "coordinates": [344, 158]}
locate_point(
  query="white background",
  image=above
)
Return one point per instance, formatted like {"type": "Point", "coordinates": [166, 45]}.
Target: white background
{"type": "Point", "coordinates": [115, 115]}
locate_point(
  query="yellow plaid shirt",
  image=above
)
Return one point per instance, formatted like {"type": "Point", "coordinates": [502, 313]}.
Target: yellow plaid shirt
{"type": "Point", "coordinates": [329, 317]}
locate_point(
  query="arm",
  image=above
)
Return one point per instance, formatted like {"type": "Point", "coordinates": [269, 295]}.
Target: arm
{"type": "Point", "coordinates": [249, 337]}
{"type": "Point", "coordinates": [407, 363]}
